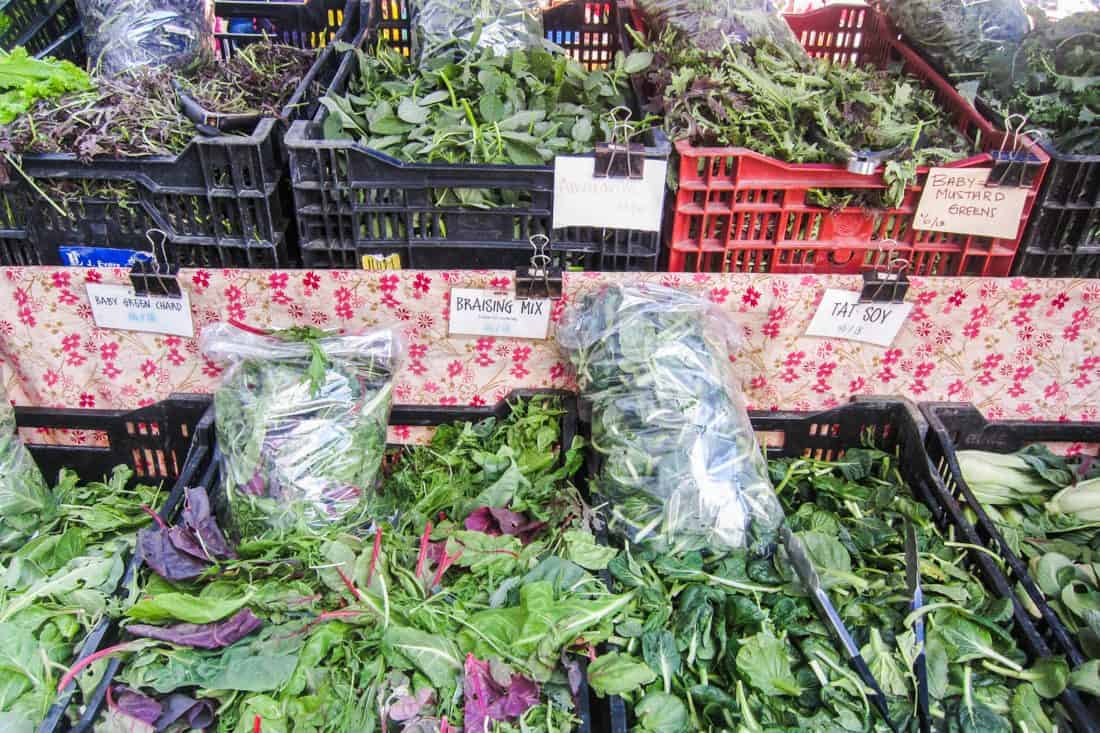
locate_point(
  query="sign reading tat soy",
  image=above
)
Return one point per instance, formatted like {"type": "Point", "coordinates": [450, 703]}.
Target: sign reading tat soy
{"type": "Point", "coordinates": [841, 315]}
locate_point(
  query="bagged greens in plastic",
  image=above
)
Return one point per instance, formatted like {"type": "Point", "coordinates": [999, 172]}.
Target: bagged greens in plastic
{"type": "Point", "coordinates": [681, 468]}
{"type": "Point", "coordinates": [301, 422]}
{"type": "Point", "coordinates": [25, 500]}
{"type": "Point", "coordinates": [712, 25]}
{"type": "Point", "coordinates": [962, 34]}
{"type": "Point", "coordinates": [442, 26]}
{"type": "Point", "coordinates": [121, 34]}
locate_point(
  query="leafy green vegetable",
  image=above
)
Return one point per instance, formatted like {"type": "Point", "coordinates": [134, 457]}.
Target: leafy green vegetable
{"type": "Point", "coordinates": [24, 80]}
{"type": "Point", "coordinates": [782, 104]}
{"type": "Point", "coordinates": [25, 502]}
{"type": "Point", "coordinates": [753, 655]}
{"type": "Point", "coordinates": [520, 108]}
{"type": "Point", "coordinates": [59, 584]}
{"type": "Point", "coordinates": [615, 674]}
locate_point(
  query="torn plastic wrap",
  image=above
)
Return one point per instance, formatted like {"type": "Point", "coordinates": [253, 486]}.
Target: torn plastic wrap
{"type": "Point", "coordinates": [301, 422]}
{"type": "Point", "coordinates": [121, 34]}
{"type": "Point", "coordinates": [24, 496]}
{"type": "Point", "coordinates": [961, 34]}
{"type": "Point", "coordinates": [681, 468]}
{"type": "Point", "coordinates": [443, 26]}
{"type": "Point", "coordinates": [712, 25]}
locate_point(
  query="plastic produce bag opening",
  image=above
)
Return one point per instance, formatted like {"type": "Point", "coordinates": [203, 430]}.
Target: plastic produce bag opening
{"type": "Point", "coordinates": [301, 421]}
{"type": "Point", "coordinates": [681, 467]}
{"type": "Point", "coordinates": [713, 25]}
{"type": "Point", "coordinates": [444, 26]}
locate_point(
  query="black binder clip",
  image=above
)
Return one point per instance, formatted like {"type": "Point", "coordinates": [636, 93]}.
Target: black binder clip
{"type": "Point", "coordinates": [1013, 165]}
{"type": "Point", "coordinates": [886, 286]}
{"type": "Point", "coordinates": [150, 277]}
{"type": "Point", "coordinates": [620, 158]}
{"type": "Point", "coordinates": [541, 279]}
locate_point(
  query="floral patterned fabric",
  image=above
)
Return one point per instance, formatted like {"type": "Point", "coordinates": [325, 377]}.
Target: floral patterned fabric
{"type": "Point", "coordinates": [1017, 348]}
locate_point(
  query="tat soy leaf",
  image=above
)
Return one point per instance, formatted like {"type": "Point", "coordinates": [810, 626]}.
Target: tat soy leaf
{"type": "Point", "coordinates": [616, 673]}
{"type": "Point", "coordinates": [410, 111]}
{"type": "Point", "coordinates": [763, 661]}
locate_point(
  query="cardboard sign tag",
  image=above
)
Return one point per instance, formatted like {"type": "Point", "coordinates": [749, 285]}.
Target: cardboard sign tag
{"type": "Point", "coordinates": [956, 201]}
{"type": "Point", "coordinates": [842, 316]}
{"type": "Point", "coordinates": [382, 262]}
{"type": "Point", "coordinates": [490, 313]}
{"type": "Point", "coordinates": [117, 307]}
{"type": "Point", "coordinates": [583, 200]}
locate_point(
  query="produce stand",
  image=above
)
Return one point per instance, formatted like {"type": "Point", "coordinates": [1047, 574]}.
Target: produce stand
{"type": "Point", "coordinates": [485, 366]}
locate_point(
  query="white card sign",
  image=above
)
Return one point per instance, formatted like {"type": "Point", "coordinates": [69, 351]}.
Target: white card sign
{"type": "Point", "coordinates": [118, 307]}
{"type": "Point", "coordinates": [842, 316]}
{"type": "Point", "coordinates": [582, 199]}
{"type": "Point", "coordinates": [491, 313]}
{"type": "Point", "coordinates": [956, 200]}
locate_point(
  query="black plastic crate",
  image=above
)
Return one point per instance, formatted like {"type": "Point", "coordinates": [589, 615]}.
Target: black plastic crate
{"type": "Point", "coordinates": [954, 427]}
{"type": "Point", "coordinates": [892, 425]}
{"type": "Point", "coordinates": [1063, 238]}
{"type": "Point", "coordinates": [407, 415]}
{"type": "Point", "coordinates": [354, 202]}
{"type": "Point", "coordinates": [44, 28]}
{"type": "Point", "coordinates": [168, 442]}
{"type": "Point", "coordinates": [222, 202]}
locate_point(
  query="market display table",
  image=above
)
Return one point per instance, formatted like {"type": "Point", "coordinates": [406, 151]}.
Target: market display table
{"type": "Point", "coordinates": [1017, 348]}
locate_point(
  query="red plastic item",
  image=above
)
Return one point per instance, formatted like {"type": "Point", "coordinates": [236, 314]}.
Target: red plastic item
{"type": "Point", "coordinates": [739, 211]}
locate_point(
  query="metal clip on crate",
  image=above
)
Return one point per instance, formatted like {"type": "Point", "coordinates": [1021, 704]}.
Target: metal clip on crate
{"type": "Point", "coordinates": [541, 279]}
{"type": "Point", "coordinates": [620, 158]}
{"type": "Point", "coordinates": [1014, 167]}
{"type": "Point", "coordinates": [151, 277]}
{"type": "Point", "coordinates": [887, 285]}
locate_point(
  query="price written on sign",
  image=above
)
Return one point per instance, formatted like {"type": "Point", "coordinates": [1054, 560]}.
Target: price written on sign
{"type": "Point", "coordinates": [118, 307]}
{"type": "Point", "coordinates": [581, 199]}
{"type": "Point", "coordinates": [957, 201]}
{"type": "Point", "coordinates": [491, 313]}
{"type": "Point", "coordinates": [842, 316]}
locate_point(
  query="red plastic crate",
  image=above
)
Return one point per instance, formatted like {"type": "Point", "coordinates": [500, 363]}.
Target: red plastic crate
{"type": "Point", "coordinates": [738, 211]}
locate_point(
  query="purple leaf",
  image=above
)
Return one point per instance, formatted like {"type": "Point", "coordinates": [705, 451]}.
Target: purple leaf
{"type": "Point", "coordinates": [202, 636]}
{"type": "Point", "coordinates": [134, 705]}
{"type": "Point", "coordinates": [197, 714]}
{"type": "Point", "coordinates": [186, 543]}
{"type": "Point", "coordinates": [157, 550]}
{"type": "Point", "coordinates": [487, 700]}
{"type": "Point", "coordinates": [409, 706]}
{"type": "Point", "coordinates": [495, 521]}
{"type": "Point", "coordinates": [198, 519]}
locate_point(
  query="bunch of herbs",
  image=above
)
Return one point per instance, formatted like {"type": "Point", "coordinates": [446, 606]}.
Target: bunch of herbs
{"type": "Point", "coordinates": [762, 97]}
{"type": "Point", "coordinates": [469, 600]}
{"type": "Point", "coordinates": [731, 642]}
{"type": "Point", "coordinates": [59, 584]}
{"type": "Point", "coordinates": [522, 108]}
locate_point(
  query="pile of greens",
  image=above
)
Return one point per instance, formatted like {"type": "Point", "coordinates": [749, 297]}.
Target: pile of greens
{"type": "Point", "coordinates": [25, 80]}
{"type": "Point", "coordinates": [522, 108]}
{"type": "Point", "coordinates": [301, 421]}
{"type": "Point", "coordinates": [137, 113]}
{"type": "Point", "coordinates": [960, 34]}
{"type": "Point", "coordinates": [25, 501]}
{"type": "Point", "coordinates": [59, 584]}
{"type": "Point", "coordinates": [681, 469]}
{"type": "Point", "coordinates": [1047, 509]}
{"type": "Point", "coordinates": [1052, 77]}
{"type": "Point", "coordinates": [468, 603]}
{"type": "Point", "coordinates": [799, 110]}
{"type": "Point", "coordinates": [728, 641]}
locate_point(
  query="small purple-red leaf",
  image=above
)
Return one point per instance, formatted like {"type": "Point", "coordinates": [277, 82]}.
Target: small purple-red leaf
{"type": "Point", "coordinates": [133, 704]}
{"type": "Point", "coordinates": [202, 636]}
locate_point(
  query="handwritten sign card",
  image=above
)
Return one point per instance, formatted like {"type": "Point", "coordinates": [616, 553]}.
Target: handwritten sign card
{"type": "Point", "coordinates": [583, 200]}
{"type": "Point", "coordinates": [842, 316]}
{"type": "Point", "coordinates": [956, 200]}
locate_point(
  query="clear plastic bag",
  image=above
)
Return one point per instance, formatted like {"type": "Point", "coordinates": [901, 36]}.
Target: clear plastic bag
{"type": "Point", "coordinates": [121, 34]}
{"type": "Point", "coordinates": [681, 467]}
{"type": "Point", "coordinates": [711, 25]}
{"type": "Point", "coordinates": [24, 497]}
{"type": "Point", "coordinates": [442, 26]}
{"type": "Point", "coordinates": [962, 34]}
{"type": "Point", "coordinates": [301, 422]}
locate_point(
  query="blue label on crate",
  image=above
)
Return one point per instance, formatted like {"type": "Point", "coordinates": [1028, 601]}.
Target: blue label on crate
{"type": "Point", "coordinates": [75, 256]}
